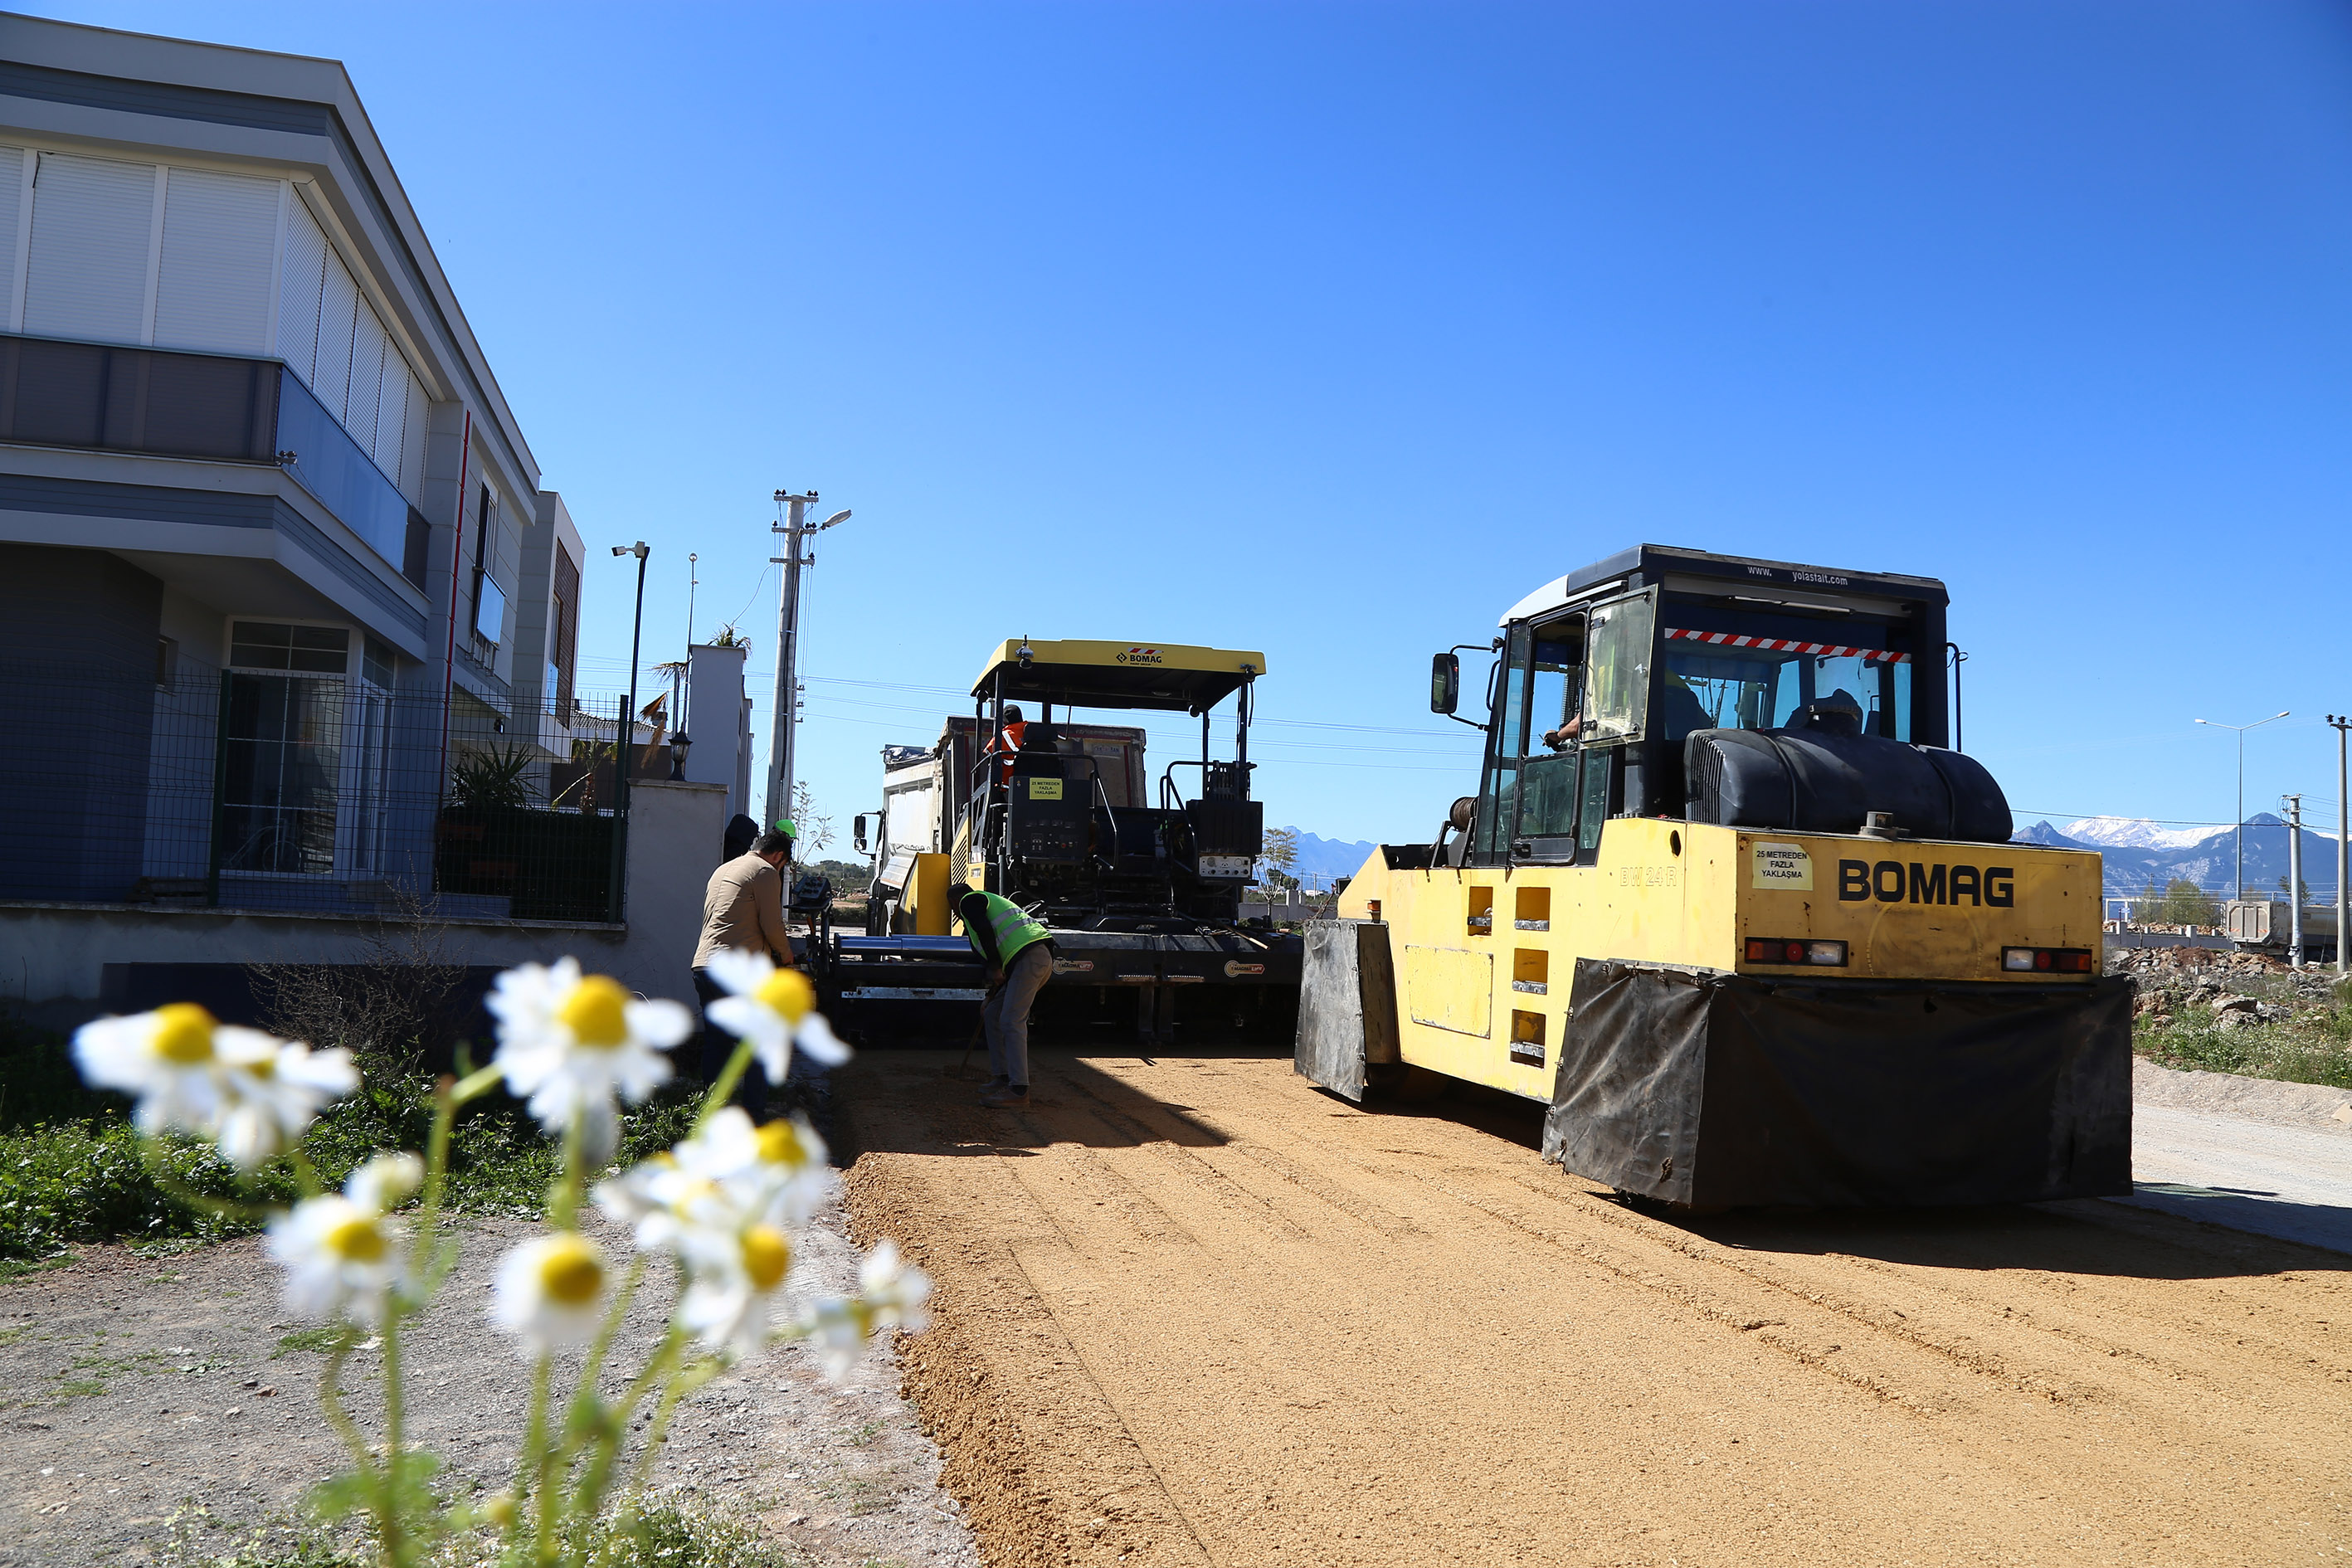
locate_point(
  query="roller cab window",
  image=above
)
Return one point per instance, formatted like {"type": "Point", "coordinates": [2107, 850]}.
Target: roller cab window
{"type": "Point", "coordinates": [1529, 803]}
{"type": "Point", "coordinates": [1727, 668]}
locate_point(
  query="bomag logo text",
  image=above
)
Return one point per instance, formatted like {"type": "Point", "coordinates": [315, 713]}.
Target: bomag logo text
{"type": "Point", "coordinates": [1898, 882]}
{"type": "Point", "coordinates": [1140, 655]}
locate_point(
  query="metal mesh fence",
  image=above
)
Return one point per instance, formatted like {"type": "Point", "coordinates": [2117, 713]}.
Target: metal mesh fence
{"type": "Point", "coordinates": [306, 785]}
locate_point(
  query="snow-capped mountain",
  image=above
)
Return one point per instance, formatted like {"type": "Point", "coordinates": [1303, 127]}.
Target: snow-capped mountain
{"type": "Point", "coordinates": [2132, 852]}
{"type": "Point", "coordinates": [2133, 833]}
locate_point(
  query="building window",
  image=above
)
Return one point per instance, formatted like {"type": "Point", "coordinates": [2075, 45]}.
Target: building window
{"type": "Point", "coordinates": [489, 599]}
{"type": "Point", "coordinates": [266, 645]}
{"type": "Point", "coordinates": [167, 661]}
{"type": "Point", "coordinates": [283, 740]}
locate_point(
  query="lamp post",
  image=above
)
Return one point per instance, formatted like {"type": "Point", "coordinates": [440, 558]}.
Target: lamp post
{"type": "Point", "coordinates": [2341, 722]}
{"type": "Point", "coordinates": [678, 742]}
{"type": "Point", "coordinates": [797, 529]}
{"type": "Point", "coordinates": [624, 733]}
{"type": "Point", "coordinates": [1958, 659]}
{"type": "Point", "coordinates": [2241, 730]}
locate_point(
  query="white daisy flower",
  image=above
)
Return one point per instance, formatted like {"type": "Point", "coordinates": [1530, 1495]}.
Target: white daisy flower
{"type": "Point", "coordinates": [569, 1042]}
{"type": "Point", "coordinates": [774, 1008]}
{"type": "Point", "coordinates": [550, 1292]}
{"type": "Point", "coordinates": [778, 1172]}
{"type": "Point", "coordinates": [734, 1277]}
{"type": "Point", "coordinates": [343, 1255]}
{"type": "Point", "coordinates": [275, 1089]}
{"type": "Point", "coordinates": [254, 1092]}
{"type": "Point", "coordinates": [663, 1201]}
{"type": "Point", "coordinates": [890, 1294]}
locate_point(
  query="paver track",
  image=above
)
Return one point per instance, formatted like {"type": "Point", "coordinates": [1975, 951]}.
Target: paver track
{"type": "Point", "coordinates": [1196, 1311]}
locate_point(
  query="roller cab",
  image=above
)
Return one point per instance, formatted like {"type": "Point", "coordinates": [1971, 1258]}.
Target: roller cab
{"type": "Point", "coordinates": [1728, 905]}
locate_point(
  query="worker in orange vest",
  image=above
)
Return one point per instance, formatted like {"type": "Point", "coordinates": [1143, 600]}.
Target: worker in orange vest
{"type": "Point", "coordinates": [1006, 743]}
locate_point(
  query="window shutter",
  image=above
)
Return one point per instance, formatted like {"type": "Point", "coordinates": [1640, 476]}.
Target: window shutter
{"type": "Point", "coordinates": [412, 441]}
{"type": "Point", "coordinates": [298, 297]}
{"type": "Point", "coordinates": [338, 304]}
{"type": "Point", "coordinates": [220, 236]}
{"type": "Point", "coordinates": [367, 376]}
{"type": "Point", "coordinates": [392, 405]}
{"type": "Point", "coordinates": [87, 273]}
{"type": "Point", "coordinates": [11, 197]}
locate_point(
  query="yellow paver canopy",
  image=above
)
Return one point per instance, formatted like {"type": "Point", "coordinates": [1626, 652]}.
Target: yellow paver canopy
{"type": "Point", "coordinates": [1172, 675]}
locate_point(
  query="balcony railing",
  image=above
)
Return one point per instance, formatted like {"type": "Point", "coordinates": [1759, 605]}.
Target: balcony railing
{"type": "Point", "coordinates": [57, 393]}
{"type": "Point", "coordinates": [156, 401]}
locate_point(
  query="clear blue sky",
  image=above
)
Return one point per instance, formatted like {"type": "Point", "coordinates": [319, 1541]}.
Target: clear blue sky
{"type": "Point", "coordinates": [1332, 328]}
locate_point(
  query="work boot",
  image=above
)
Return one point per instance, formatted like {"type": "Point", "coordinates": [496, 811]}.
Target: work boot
{"type": "Point", "coordinates": [996, 1085]}
{"type": "Point", "coordinates": [1011, 1096]}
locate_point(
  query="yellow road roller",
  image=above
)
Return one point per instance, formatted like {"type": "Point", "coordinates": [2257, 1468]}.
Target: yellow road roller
{"type": "Point", "coordinates": [1730, 906]}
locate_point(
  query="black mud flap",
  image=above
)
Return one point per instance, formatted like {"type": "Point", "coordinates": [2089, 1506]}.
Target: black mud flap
{"type": "Point", "coordinates": [1347, 1005]}
{"type": "Point", "coordinates": [1722, 1090]}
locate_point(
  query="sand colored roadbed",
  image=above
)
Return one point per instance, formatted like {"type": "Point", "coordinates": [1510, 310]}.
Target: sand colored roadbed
{"type": "Point", "coordinates": [1197, 1311]}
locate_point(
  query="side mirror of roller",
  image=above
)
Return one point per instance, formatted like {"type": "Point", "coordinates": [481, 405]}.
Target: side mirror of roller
{"type": "Point", "coordinates": [1444, 683]}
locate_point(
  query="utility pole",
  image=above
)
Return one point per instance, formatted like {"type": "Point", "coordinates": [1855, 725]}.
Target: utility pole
{"type": "Point", "coordinates": [2340, 722]}
{"type": "Point", "coordinates": [624, 743]}
{"type": "Point", "coordinates": [797, 529]}
{"type": "Point", "coordinates": [2293, 879]}
{"type": "Point", "coordinates": [2241, 730]}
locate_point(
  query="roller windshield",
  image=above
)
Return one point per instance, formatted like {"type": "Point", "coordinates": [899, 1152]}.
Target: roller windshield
{"type": "Point", "coordinates": [1732, 670]}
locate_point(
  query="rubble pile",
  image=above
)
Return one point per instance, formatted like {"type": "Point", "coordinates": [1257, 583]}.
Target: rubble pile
{"type": "Point", "coordinates": [2241, 988]}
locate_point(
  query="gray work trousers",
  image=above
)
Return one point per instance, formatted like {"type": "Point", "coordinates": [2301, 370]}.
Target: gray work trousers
{"type": "Point", "coordinates": [1005, 1015]}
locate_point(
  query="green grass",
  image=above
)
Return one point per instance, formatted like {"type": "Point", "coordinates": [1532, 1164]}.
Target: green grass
{"type": "Point", "coordinates": [86, 1180]}
{"type": "Point", "coordinates": [319, 1339]}
{"type": "Point", "coordinates": [2314, 1047]}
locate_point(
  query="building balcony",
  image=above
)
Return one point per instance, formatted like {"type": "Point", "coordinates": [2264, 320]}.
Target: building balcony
{"type": "Point", "coordinates": [213, 407]}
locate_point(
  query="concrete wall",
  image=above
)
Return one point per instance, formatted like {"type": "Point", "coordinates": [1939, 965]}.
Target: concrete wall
{"type": "Point", "coordinates": [78, 642]}
{"type": "Point", "coordinates": [53, 956]}
{"type": "Point", "coordinates": [677, 831]}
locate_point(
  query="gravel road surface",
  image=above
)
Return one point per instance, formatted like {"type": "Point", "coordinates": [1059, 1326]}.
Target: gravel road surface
{"type": "Point", "coordinates": [131, 1386]}
{"type": "Point", "coordinates": [1200, 1312]}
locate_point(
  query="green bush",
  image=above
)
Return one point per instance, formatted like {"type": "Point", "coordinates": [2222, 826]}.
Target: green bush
{"type": "Point", "coordinates": [88, 1181]}
{"type": "Point", "coordinates": [38, 1082]}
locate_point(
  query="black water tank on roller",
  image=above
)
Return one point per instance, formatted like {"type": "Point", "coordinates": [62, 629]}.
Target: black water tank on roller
{"type": "Point", "coordinates": [1824, 775]}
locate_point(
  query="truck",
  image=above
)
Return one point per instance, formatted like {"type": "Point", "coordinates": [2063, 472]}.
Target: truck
{"type": "Point", "coordinates": [1730, 906]}
{"type": "Point", "coordinates": [1138, 880]}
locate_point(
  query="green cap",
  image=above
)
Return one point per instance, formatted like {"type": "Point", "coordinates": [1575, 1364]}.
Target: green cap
{"type": "Point", "coordinates": [784, 825]}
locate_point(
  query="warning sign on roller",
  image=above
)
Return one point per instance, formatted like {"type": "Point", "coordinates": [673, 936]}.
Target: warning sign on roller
{"type": "Point", "coordinates": [1784, 867]}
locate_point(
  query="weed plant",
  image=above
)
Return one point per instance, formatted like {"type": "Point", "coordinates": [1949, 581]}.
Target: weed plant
{"type": "Point", "coordinates": [661, 1535]}
{"type": "Point", "coordinates": [2314, 1047]}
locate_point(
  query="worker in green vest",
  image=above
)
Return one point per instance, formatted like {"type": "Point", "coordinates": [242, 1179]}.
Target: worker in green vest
{"type": "Point", "coordinates": [1019, 953]}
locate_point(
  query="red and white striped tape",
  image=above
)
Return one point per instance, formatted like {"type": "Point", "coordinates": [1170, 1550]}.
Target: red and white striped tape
{"type": "Point", "coordinates": [1788, 645]}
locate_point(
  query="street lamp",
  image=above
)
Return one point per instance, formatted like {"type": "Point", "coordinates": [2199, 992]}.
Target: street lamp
{"type": "Point", "coordinates": [625, 734]}
{"type": "Point", "coordinates": [677, 745]}
{"type": "Point", "coordinates": [2241, 730]}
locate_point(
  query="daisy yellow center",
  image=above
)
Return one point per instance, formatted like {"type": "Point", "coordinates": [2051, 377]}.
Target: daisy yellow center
{"type": "Point", "coordinates": [263, 1068]}
{"type": "Point", "coordinates": [356, 1240]}
{"type": "Point", "coordinates": [766, 1256]}
{"type": "Point", "coordinates": [788, 994]}
{"type": "Point", "coordinates": [183, 1033]}
{"type": "Point", "coordinates": [596, 1012]}
{"type": "Point", "coordinates": [569, 1273]}
{"type": "Point", "coordinates": [779, 1145]}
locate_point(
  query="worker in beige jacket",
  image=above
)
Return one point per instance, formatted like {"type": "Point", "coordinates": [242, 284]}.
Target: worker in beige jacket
{"type": "Point", "coordinates": [743, 909]}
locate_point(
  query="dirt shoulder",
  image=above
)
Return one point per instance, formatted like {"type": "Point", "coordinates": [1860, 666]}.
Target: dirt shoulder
{"type": "Point", "coordinates": [1197, 1311]}
{"type": "Point", "coordinates": [131, 1387]}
